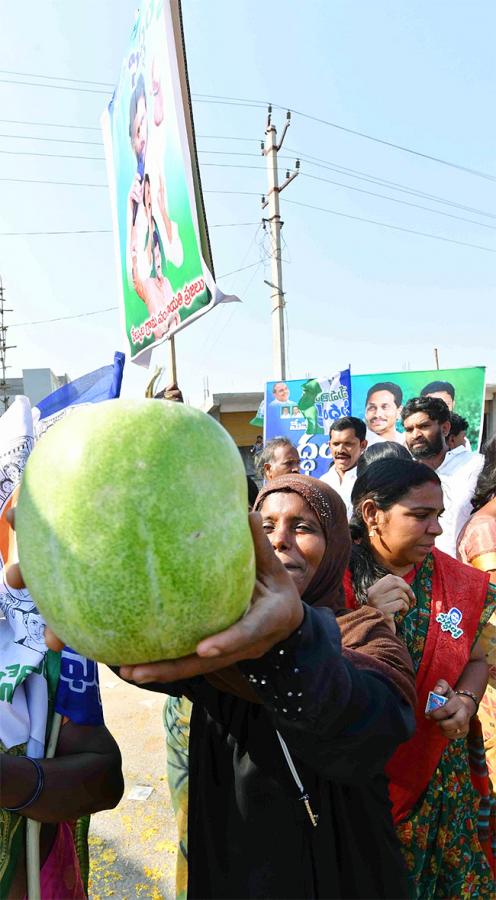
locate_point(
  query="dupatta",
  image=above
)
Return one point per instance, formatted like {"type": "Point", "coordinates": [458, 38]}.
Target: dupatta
{"type": "Point", "coordinates": [457, 599]}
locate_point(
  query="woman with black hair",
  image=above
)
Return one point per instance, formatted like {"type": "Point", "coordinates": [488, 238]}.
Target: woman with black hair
{"type": "Point", "coordinates": [382, 450]}
{"type": "Point", "coordinates": [477, 542]}
{"type": "Point", "coordinates": [438, 607]}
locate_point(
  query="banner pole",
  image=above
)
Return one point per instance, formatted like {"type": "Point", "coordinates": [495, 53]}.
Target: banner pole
{"type": "Point", "coordinates": [171, 360]}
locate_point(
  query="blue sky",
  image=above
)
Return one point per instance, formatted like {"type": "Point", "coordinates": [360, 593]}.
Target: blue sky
{"type": "Point", "coordinates": [420, 75]}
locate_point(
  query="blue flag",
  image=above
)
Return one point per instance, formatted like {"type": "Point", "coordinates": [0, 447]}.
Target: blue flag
{"type": "Point", "coordinates": [102, 384]}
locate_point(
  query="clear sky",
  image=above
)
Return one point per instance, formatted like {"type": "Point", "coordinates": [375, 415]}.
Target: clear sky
{"type": "Point", "coordinates": [420, 75]}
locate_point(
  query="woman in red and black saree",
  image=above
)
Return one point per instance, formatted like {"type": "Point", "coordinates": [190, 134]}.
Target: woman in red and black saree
{"type": "Point", "coordinates": [439, 607]}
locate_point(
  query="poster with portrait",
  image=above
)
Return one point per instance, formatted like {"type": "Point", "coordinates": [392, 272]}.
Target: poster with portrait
{"type": "Point", "coordinates": [164, 266]}
{"type": "Point", "coordinates": [379, 398]}
{"type": "Point", "coordinates": [303, 410]}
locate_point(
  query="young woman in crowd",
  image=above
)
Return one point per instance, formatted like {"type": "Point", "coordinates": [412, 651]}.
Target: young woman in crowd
{"type": "Point", "coordinates": [439, 608]}
{"type": "Point", "coordinates": [295, 711]}
{"type": "Point", "coordinates": [477, 541]}
{"type": "Point", "coordinates": [477, 547]}
{"type": "Point", "coordinates": [381, 450]}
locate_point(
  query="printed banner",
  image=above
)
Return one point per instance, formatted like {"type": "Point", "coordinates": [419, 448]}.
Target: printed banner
{"type": "Point", "coordinates": [163, 257]}
{"type": "Point", "coordinates": [379, 398]}
{"type": "Point", "coordinates": [23, 691]}
{"type": "Point", "coordinates": [303, 411]}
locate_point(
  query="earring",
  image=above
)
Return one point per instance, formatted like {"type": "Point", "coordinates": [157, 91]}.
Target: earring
{"type": "Point", "coordinates": [372, 532]}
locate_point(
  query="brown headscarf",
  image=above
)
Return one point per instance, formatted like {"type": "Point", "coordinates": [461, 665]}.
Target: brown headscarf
{"type": "Point", "coordinates": [368, 642]}
{"type": "Point", "coordinates": [326, 586]}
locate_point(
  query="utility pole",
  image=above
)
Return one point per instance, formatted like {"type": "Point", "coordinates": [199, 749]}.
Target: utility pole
{"type": "Point", "coordinates": [4, 397]}
{"type": "Point", "coordinates": [436, 357]}
{"type": "Point", "coordinates": [270, 149]}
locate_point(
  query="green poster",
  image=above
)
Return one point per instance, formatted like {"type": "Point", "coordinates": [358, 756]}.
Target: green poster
{"type": "Point", "coordinates": [378, 398]}
{"type": "Point", "coordinates": [160, 233]}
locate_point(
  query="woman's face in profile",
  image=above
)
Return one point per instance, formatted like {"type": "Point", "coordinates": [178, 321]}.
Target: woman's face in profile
{"type": "Point", "coordinates": [295, 534]}
{"type": "Point", "coordinates": [406, 532]}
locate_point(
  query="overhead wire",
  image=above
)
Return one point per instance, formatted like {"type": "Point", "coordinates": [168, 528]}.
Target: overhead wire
{"type": "Point", "coordinates": [217, 98]}
{"type": "Point", "coordinates": [105, 230]}
{"type": "Point", "coordinates": [425, 234]}
{"type": "Point", "coordinates": [50, 124]}
{"type": "Point", "coordinates": [311, 160]}
{"type": "Point", "coordinates": [96, 312]}
{"type": "Point", "coordinates": [243, 101]}
{"type": "Point", "coordinates": [56, 78]}
{"type": "Point", "coordinates": [375, 179]}
{"type": "Point", "coordinates": [437, 212]}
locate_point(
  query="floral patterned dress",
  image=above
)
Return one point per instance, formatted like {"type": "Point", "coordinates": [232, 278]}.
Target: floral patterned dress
{"type": "Point", "coordinates": [440, 839]}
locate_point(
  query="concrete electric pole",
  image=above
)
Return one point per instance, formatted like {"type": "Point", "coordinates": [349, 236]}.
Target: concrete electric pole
{"type": "Point", "coordinates": [270, 149]}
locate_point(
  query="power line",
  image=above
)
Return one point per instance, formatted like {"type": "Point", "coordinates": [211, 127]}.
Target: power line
{"type": "Point", "coordinates": [106, 230]}
{"type": "Point", "coordinates": [50, 155]}
{"type": "Point", "coordinates": [96, 312]}
{"type": "Point", "coordinates": [57, 87]}
{"type": "Point", "coordinates": [312, 160]}
{"type": "Point", "coordinates": [435, 237]}
{"type": "Point", "coordinates": [56, 78]}
{"type": "Point", "coordinates": [245, 193]}
{"type": "Point", "coordinates": [58, 140]}
{"type": "Point", "coordinates": [32, 233]}
{"type": "Point", "coordinates": [233, 224]}
{"type": "Point", "coordinates": [240, 166]}
{"type": "Point", "coordinates": [30, 137]}
{"type": "Point", "coordinates": [105, 185]}
{"type": "Point", "coordinates": [437, 212]}
{"type": "Point", "coordinates": [394, 185]}
{"type": "Point", "coordinates": [42, 181]}
{"type": "Point", "coordinates": [214, 98]}
{"type": "Point", "coordinates": [50, 124]}
{"type": "Point", "coordinates": [242, 101]}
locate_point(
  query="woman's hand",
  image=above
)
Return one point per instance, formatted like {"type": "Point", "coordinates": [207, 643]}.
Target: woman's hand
{"type": "Point", "coordinates": [454, 717]}
{"type": "Point", "coordinates": [275, 612]}
{"type": "Point", "coordinates": [390, 595]}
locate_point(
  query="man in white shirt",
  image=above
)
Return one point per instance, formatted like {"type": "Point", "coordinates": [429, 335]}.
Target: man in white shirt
{"type": "Point", "coordinates": [427, 425]}
{"type": "Point", "coordinates": [444, 390]}
{"type": "Point", "coordinates": [346, 442]}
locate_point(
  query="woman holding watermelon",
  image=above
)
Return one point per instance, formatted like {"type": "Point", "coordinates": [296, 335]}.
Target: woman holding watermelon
{"type": "Point", "coordinates": [295, 712]}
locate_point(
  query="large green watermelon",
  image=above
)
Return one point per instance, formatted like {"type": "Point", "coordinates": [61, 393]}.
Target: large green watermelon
{"type": "Point", "coordinates": [132, 530]}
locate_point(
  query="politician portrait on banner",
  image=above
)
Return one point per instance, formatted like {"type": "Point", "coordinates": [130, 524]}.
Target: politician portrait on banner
{"type": "Point", "coordinates": [162, 249]}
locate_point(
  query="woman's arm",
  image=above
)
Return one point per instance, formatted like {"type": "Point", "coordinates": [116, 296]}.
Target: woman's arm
{"type": "Point", "coordinates": [342, 719]}
{"type": "Point", "coordinates": [84, 777]}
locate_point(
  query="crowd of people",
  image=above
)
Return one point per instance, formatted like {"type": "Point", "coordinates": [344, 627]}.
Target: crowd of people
{"type": "Point", "coordinates": [337, 741]}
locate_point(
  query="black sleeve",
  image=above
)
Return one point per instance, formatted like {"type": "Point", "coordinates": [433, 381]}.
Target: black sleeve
{"type": "Point", "coordinates": [343, 722]}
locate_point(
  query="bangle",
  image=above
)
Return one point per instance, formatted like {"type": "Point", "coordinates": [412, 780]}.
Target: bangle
{"type": "Point", "coordinates": [472, 696]}
{"type": "Point", "coordinates": [37, 791]}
